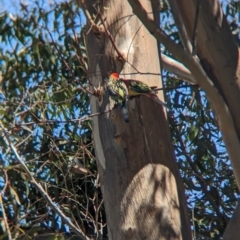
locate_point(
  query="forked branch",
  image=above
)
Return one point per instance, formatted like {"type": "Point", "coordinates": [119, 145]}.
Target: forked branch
{"type": "Point", "coordinates": [192, 63]}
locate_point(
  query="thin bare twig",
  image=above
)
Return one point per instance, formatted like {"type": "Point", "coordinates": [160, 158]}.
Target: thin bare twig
{"type": "Point", "coordinates": [76, 43]}
{"type": "Point", "coordinates": [87, 117]}
{"type": "Point", "coordinates": [66, 65]}
{"type": "Point", "coordinates": [181, 28]}
{"type": "Point", "coordinates": [5, 218]}
{"type": "Point", "coordinates": [81, 59]}
{"type": "Point", "coordinates": [53, 205]}
{"type": "Point", "coordinates": [89, 17]}
{"type": "Point", "coordinates": [174, 88]}
{"type": "Point", "coordinates": [120, 55]}
{"type": "Point", "coordinates": [6, 182]}
{"type": "Point", "coordinates": [41, 122]}
{"type": "Point", "coordinates": [2, 205]}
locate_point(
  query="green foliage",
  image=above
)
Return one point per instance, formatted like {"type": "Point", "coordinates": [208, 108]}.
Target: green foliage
{"type": "Point", "coordinates": [204, 165]}
{"type": "Point", "coordinates": [203, 162]}
{"type": "Point", "coordinates": [42, 107]}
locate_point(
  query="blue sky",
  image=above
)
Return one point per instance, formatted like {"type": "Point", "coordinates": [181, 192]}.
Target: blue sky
{"type": "Point", "coordinates": [14, 6]}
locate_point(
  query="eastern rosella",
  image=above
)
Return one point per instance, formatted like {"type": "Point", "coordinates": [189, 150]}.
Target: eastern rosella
{"type": "Point", "coordinates": [136, 88]}
{"type": "Point", "coordinates": [119, 93]}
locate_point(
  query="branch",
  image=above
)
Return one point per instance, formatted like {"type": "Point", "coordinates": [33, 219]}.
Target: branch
{"type": "Point", "coordinates": [5, 218]}
{"type": "Point", "coordinates": [174, 88]}
{"type": "Point", "coordinates": [82, 119]}
{"type": "Point", "coordinates": [192, 63]}
{"type": "Point", "coordinates": [194, 37]}
{"type": "Point", "coordinates": [120, 55]}
{"type": "Point", "coordinates": [6, 182]}
{"type": "Point", "coordinates": [2, 206]}
{"type": "Point", "coordinates": [67, 66]}
{"type": "Point", "coordinates": [201, 180]}
{"type": "Point", "coordinates": [181, 28]}
{"type": "Point", "coordinates": [88, 16]}
{"type": "Point", "coordinates": [54, 206]}
{"type": "Point", "coordinates": [178, 69]}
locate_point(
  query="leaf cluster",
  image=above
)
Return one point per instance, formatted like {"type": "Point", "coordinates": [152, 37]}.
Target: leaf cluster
{"type": "Point", "coordinates": [43, 107]}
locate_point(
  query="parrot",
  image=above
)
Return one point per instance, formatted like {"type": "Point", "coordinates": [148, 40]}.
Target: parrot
{"type": "Point", "coordinates": [136, 88]}
{"type": "Point", "coordinates": [118, 91]}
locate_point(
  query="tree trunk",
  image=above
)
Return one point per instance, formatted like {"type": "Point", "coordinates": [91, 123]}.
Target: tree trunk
{"type": "Point", "coordinates": [220, 57]}
{"type": "Point", "coordinates": [142, 189]}
{"type": "Point", "coordinates": [232, 230]}
{"type": "Point", "coordinates": [217, 49]}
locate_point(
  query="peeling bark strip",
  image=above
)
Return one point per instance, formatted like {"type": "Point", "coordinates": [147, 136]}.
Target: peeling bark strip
{"type": "Point", "coordinates": [139, 176]}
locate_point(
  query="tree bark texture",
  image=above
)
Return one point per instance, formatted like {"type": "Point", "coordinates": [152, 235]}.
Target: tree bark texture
{"type": "Point", "coordinates": [216, 48]}
{"type": "Point", "coordinates": [220, 58]}
{"type": "Point", "coordinates": [232, 230]}
{"type": "Point", "coordinates": [142, 189]}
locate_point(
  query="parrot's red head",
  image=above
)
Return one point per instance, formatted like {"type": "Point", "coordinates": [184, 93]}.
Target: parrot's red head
{"type": "Point", "coordinates": [114, 76]}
